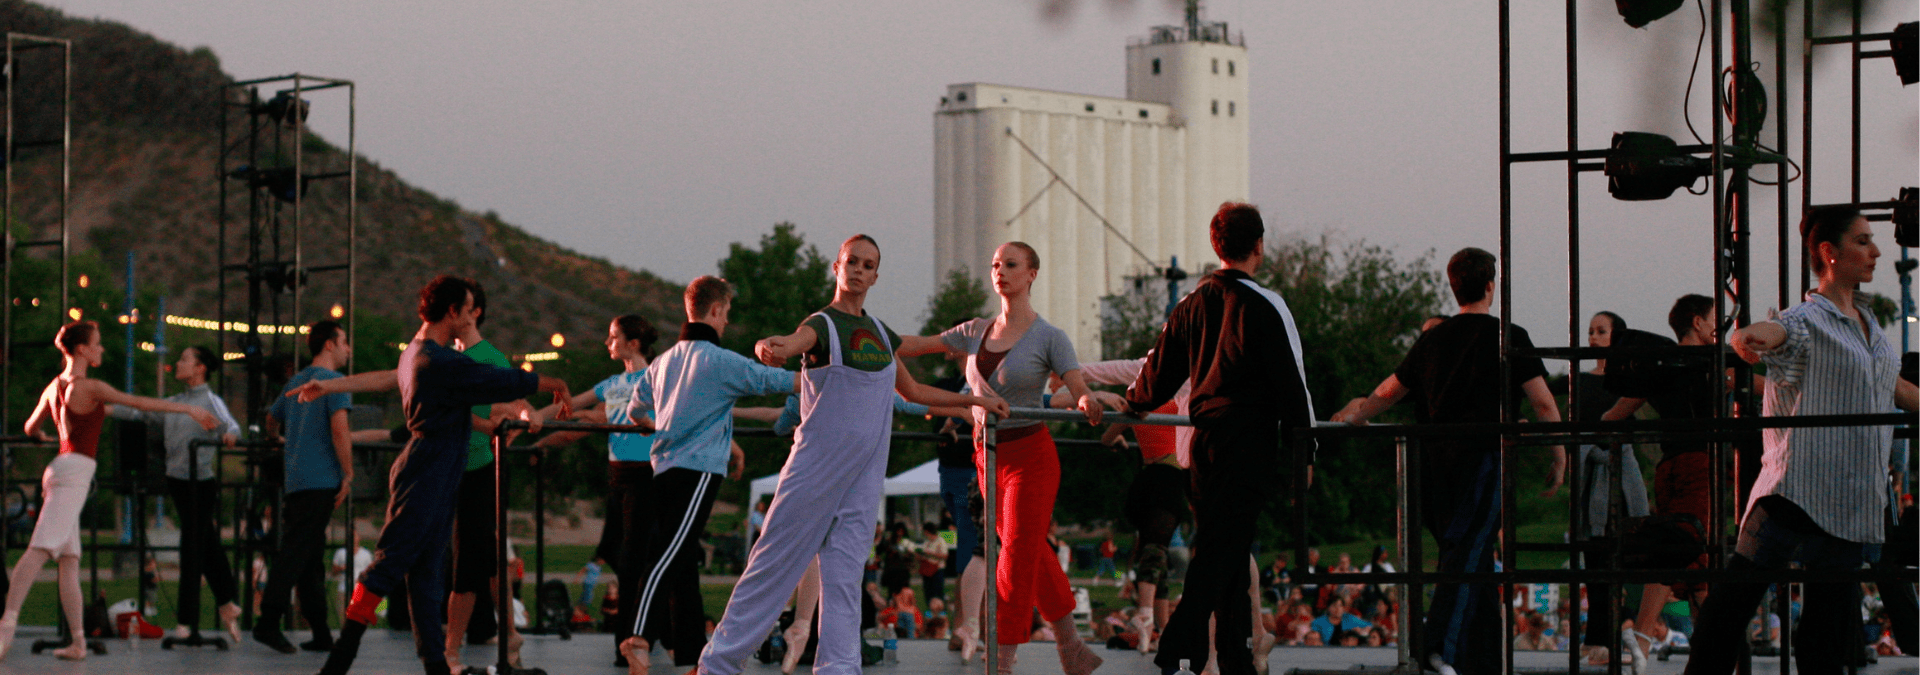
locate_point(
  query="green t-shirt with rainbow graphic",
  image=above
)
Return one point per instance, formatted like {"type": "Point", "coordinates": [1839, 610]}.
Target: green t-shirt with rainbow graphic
{"type": "Point", "coordinates": [860, 344]}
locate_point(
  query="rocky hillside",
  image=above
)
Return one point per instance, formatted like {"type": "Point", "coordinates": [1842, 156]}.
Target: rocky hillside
{"type": "Point", "coordinates": [146, 136]}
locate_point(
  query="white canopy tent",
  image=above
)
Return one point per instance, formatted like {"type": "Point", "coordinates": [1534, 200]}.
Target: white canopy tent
{"type": "Point", "coordinates": [917, 481]}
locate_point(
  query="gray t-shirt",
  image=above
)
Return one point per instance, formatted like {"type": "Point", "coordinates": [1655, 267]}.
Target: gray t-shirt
{"type": "Point", "coordinates": [1022, 375]}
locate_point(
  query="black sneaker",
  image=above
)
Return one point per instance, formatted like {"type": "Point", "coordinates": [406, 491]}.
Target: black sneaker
{"type": "Point", "coordinates": [317, 645]}
{"type": "Point", "coordinates": [273, 639]}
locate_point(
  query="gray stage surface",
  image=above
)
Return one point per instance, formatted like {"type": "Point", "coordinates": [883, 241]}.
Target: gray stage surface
{"type": "Point", "coordinates": [592, 654]}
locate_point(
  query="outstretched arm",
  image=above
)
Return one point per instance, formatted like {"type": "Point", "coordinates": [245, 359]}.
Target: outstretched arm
{"type": "Point", "coordinates": [1544, 408]}
{"type": "Point", "coordinates": [929, 395]}
{"type": "Point", "coordinates": [1622, 409]}
{"type": "Point", "coordinates": [774, 351]}
{"type": "Point", "coordinates": [378, 380]}
{"type": "Point", "coordinates": [1752, 341]}
{"type": "Point", "coordinates": [1359, 410]}
{"type": "Point", "coordinates": [1905, 395]}
{"type": "Point", "coordinates": [920, 345]}
{"type": "Point", "coordinates": [106, 394]}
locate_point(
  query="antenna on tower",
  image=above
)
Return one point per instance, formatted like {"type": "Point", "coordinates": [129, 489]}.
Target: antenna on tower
{"type": "Point", "coordinates": [1193, 19]}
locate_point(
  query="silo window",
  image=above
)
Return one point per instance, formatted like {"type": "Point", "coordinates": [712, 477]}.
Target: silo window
{"type": "Point", "coordinates": [961, 97]}
{"type": "Point", "coordinates": [1216, 66]}
{"type": "Point", "coordinates": [1229, 108]}
{"type": "Point", "coordinates": [1156, 66]}
{"type": "Point", "coordinates": [1089, 107]}
{"type": "Point", "coordinates": [1143, 113]}
{"type": "Point", "coordinates": [1216, 106]}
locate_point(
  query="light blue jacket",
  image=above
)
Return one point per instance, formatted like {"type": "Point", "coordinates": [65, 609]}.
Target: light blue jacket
{"type": "Point", "coordinates": [691, 391]}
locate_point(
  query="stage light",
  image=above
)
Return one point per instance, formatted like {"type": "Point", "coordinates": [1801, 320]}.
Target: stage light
{"type": "Point", "coordinates": [278, 182]}
{"type": "Point", "coordinates": [1639, 13]}
{"type": "Point", "coordinates": [526, 366]}
{"type": "Point", "coordinates": [73, 313]}
{"type": "Point", "coordinates": [1906, 210]}
{"type": "Point", "coordinates": [1643, 167]}
{"type": "Point", "coordinates": [557, 340]}
{"type": "Point", "coordinates": [1905, 46]}
{"type": "Point", "coordinates": [84, 281]}
{"type": "Point", "coordinates": [285, 109]}
{"type": "Point", "coordinates": [337, 311]}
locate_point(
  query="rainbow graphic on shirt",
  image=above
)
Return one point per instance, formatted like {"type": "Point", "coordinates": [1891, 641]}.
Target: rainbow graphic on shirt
{"type": "Point", "coordinates": [865, 348]}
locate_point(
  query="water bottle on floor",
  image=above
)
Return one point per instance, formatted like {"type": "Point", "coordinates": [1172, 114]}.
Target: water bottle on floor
{"type": "Point", "coordinates": [893, 651]}
{"type": "Point", "coordinates": [1186, 667]}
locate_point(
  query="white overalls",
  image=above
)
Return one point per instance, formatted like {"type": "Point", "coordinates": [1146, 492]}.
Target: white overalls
{"type": "Point", "coordinates": [826, 504]}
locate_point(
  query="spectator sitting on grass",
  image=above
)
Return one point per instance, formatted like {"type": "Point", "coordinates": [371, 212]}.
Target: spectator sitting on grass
{"type": "Point", "coordinates": [1337, 621]}
{"type": "Point", "coordinates": [1301, 627]}
{"type": "Point", "coordinates": [1534, 637]}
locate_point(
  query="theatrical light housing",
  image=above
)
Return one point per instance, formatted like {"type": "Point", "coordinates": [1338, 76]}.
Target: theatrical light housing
{"type": "Point", "coordinates": [1905, 46]}
{"type": "Point", "coordinates": [285, 109]}
{"type": "Point", "coordinates": [337, 311]}
{"type": "Point", "coordinates": [1644, 167]}
{"type": "Point", "coordinates": [1639, 13]}
{"type": "Point", "coordinates": [277, 182]}
{"type": "Point", "coordinates": [1906, 210]}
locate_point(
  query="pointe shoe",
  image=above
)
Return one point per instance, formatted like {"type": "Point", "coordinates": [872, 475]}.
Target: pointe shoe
{"type": "Point", "coordinates": [230, 617]}
{"type": "Point", "coordinates": [796, 637]}
{"type": "Point", "coordinates": [73, 652]}
{"type": "Point", "coordinates": [1143, 626]}
{"type": "Point", "coordinates": [639, 655]}
{"type": "Point", "coordinates": [1008, 657]}
{"type": "Point", "coordinates": [1076, 658]}
{"type": "Point", "coordinates": [969, 643]}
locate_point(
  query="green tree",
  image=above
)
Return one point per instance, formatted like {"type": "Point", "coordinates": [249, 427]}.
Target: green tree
{"type": "Point", "coordinates": [775, 287]}
{"type": "Point", "coordinates": [1358, 309]}
{"type": "Point", "coordinates": [960, 297]}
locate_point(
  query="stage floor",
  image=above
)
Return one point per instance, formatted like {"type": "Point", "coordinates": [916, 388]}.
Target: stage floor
{"type": "Point", "coordinates": [387, 652]}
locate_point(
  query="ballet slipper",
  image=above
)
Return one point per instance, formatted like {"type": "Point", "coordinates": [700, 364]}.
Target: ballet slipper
{"type": "Point", "coordinates": [230, 617]}
{"type": "Point", "coordinates": [514, 642]}
{"type": "Point", "coordinates": [73, 652]}
{"type": "Point", "coordinates": [639, 655]}
{"type": "Point", "coordinates": [970, 643]}
{"type": "Point", "coordinates": [796, 637]}
{"type": "Point", "coordinates": [7, 628]}
{"type": "Point", "coordinates": [1143, 626]}
{"type": "Point", "coordinates": [1076, 658]}
{"type": "Point", "coordinates": [1007, 659]}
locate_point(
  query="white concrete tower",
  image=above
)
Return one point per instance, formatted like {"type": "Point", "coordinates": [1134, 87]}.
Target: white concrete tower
{"type": "Point", "coordinates": [1200, 71]}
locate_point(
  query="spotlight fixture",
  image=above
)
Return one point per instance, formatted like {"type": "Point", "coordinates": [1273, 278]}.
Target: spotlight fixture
{"type": "Point", "coordinates": [1906, 210]}
{"type": "Point", "coordinates": [1639, 13]}
{"type": "Point", "coordinates": [283, 108]}
{"type": "Point", "coordinates": [1905, 46]}
{"type": "Point", "coordinates": [281, 277]}
{"type": "Point", "coordinates": [1644, 167]}
{"type": "Point", "coordinates": [277, 182]}
{"type": "Point", "coordinates": [337, 311]}
{"type": "Point", "coordinates": [557, 340]}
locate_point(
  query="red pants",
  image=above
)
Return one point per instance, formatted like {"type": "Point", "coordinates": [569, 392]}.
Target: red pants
{"type": "Point", "coordinates": [1028, 572]}
{"type": "Point", "coordinates": [1683, 484]}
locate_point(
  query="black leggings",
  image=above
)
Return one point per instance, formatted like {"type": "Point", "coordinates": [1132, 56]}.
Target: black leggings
{"type": "Point", "coordinates": [476, 558]}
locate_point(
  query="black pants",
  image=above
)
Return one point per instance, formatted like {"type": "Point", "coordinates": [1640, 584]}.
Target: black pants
{"type": "Point", "coordinates": [1828, 636]}
{"type": "Point", "coordinates": [624, 543]}
{"type": "Point", "coordinates": [296, 566]}
{"type": "Point", "coordinates": [1234, 466]}
{"type": "Point", "coordinates": [670, 607]}
{"type": "Point", "coordinates": [1463, 623]}
{"type": "Point", "coordinates": [200, 554]}
{"type": "Point", "coordinates": [475, 554]}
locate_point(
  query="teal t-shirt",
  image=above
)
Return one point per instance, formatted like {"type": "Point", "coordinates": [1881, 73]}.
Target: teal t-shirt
{"type": "Point", "coordinates": [480, 446]}
{"type": "Point", "coordinates": [860, 346]}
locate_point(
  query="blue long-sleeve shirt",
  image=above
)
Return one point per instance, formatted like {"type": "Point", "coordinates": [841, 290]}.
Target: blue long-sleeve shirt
{"type": "Point", "coordinates": [691, 390]}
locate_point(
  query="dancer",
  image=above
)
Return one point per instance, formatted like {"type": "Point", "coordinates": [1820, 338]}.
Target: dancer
{"type": "Point", "coordinates": [1156, 502]}
{"type": "Point", "coordinates": [1682, 481]}
{"type": "Point", "coordinates": [1241, 397]}
{"type": "Point", "coordinates": [319, 474]}
{"type": "Point", "coordinates": [1822, 492]}
{"type": "Point", "coordinates": [475, 563]}
{"type": "Point", "coordinates": [78, 406]}
{"type": "Point", "coordinates": [1594, 484]}
{"type": "Point", "coordinates": [1453, 375]}
{"type": "Point", "coordinates": [194, 491]}
{"type": "Point", "coordinates": [438, 387]}
{"type": "Point", "coordinates": [1012, 356]}
{"type": "Point", "coordinates": [692, 387]}
{"type": "Point", "coordinates": [630, 339]}
{"type": "Point", "coordinates": [830, 488]}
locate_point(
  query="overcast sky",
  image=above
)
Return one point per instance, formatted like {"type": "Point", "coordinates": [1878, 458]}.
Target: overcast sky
{"type": "Point", "coordinates": [654, 134]}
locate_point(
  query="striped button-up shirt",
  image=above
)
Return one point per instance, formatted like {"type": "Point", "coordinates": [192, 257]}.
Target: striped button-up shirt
{"type": "Point", "coordinates": [1829, 366]}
